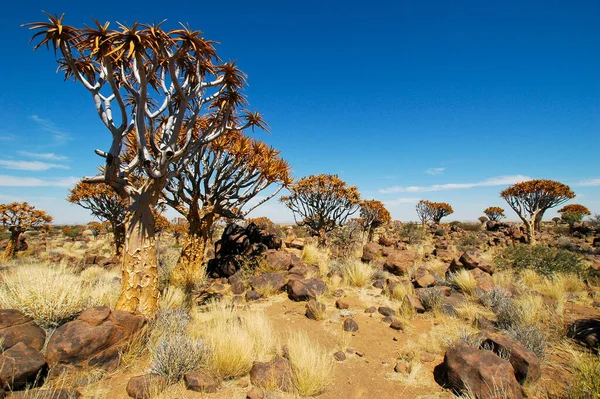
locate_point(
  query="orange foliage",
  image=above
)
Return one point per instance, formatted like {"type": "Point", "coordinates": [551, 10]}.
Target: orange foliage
{"type": "Point", "coordinates": [575, 208]}
{"type": "Point", "coordinates": [494, 213]}
{"type": "Point", "coordinates": [433, 211]}
{"type": "Point", "coordinates": [373, 215]}
{"type": "Point", "coordinates": [19, 217]}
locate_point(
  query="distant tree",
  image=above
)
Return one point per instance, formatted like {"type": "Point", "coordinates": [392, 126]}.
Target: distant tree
{"type": "Point", "coordinates": [161, 224]}
{"type": "Point", "coordinates": [556, 220]}
{"type": "Point", "coordinates": [179, 228]}
{"type": "Point", "coordinates": [158, 85]}
{"type": "Point", "coordinates": [494, 213]}
{"type": "Point", "coordinates": [96, 228]}
{"type": "Point", "coordinates": [530, 199]}
{"type": "Point", "coordinates": [373, 214]}
{"type": "Point", "coordinates": [263, 223]}
{"type": "Point", "coordinates": [482, 219]}
{"type": "Point", "coordinates": [220, 181]}
{"type": "Point", "coordinates": [432, 211]}
{"type": "Point", "coordinates": [573, 213]}
{"type": "Point", "coordinates": [17, 218]}
{"type": "Point", "coordinates": [105, 204]}
{"type": "Point", "coordinates": [322, 202]}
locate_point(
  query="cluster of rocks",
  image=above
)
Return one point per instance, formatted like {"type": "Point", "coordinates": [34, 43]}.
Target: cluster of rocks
{"type": "Point", "coordinates": [393, 259]}
{"type": "Point", "coordinates": [498, 367]}
{"type": "Point", "coordinates": [236, 245]}
{"type": "Point", "coordinates": [94, 339]}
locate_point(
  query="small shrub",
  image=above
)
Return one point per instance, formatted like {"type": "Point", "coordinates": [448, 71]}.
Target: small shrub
{"type": "Point", "coordinates": [311, 365]}
{"type": "Point", "coordinates": [508, 315]}
{"type": "Point", "coordinates": [473, 227]}
{"type": "Point", "coordinates": [471, 240]}
{"type": "Point", "coordinates": [431, 298]}
{"type": "Point", "coordinates": [313, 255]}
{"type": "Point", "coordinates": [463, 281]}
{"type": "Point", "coordinates": [530, 336]}
{"type": "Point", "coordinates": [494, 298]}
{"type": "Point", "coordinates": [172, 297]}
{"type": "Point", "coordinates": [175, 355]}
{"type": "Point", "coordinates": [543, 260]}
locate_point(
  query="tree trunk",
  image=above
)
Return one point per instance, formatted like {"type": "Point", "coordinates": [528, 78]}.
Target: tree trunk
{"type": "Point", "coordinates": [139, 286]}
{"type": "Point", "coordinates": [188, 270]}
{"type": "Point", "coordinates": [119, 237]}
{"type": "Point", "coordinates": [371, 233]}
{"type": "Point", "coordinates": [538, 220]}
{"type": "Point", "coordinates": [322, 240]}
{"type": "Point", "coordinates": [11, 247]}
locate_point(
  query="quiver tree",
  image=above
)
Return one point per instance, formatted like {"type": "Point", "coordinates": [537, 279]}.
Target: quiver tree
{"type": "Point", "coordinates": [322, 202]}
{"type": "Point", "coordinates": [573, 213]}
{"type": "Point", "coordinates": [105, 204]}
{"type": "Point", "coordinates": [494, 213]}
{"type": "Point", "coordinates": [18, 218]}
{"type": "Point", "coordinates": [482, 219]}
{"type": "Point", "coordinates": [530, 199]}
{"type": "Point", "coordinates": [156, 85]}
{"type": "Point", "coordinates": [432, 211]}
{"type": "Point", "coordinates": [373, 215]}
{"type": "Point", "coordinates": [220, 181]}
{"type": "Point", "coordinates": [179, 228]}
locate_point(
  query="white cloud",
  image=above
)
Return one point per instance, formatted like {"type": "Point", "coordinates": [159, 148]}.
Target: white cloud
{"type": "Point", "coordinates": [30, 165]}
{"type": "Point", "coordinates": [43, 155]}
{"type": "Point", "coordinates": [59, 135]}
{"type": "Point", "coordinates": [494, 181]}
{"type": "Point", "coordinates": [435, 171]}
{"type": "Point", "coordinates": [400, 201]}
{"type": "Point", "coordinates": [17, 181]}
{"type": "Point", "coordinates": [589, 183]}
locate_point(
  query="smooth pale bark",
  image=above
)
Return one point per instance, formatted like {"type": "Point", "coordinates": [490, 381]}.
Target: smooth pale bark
{"type": "Point", "coordinates": [139, 286]}
{"type": "Point", "coordinates": [188, 270]}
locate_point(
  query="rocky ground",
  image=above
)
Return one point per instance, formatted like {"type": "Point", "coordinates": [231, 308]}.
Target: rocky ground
{"type": "Point", "coordinates": [432, 316]}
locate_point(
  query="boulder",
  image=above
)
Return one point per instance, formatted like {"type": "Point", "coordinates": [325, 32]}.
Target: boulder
{"type": "Point", "coordinates": [414, 302]}
{"type": "Point", "coordinates": [94, 338]}
{"type": "Point", "coordinates": [350, 325]}
{"type": "Point", "coordinates": [16, 327]}
{"type": "Point", "coordinates": [199, 381]}
{"type": "Point", "coordinates": [277, 260]}
{"type": "Point", "coordinates": [399, 262]}
{"type": "Point", "coordinates": [469, 258]}
{"type": "Point", "coordinates": [268, 281]}
{"type": "Point", "coordinates": [303, 290]}
{"type": "Point", "coordinates": [423, 279]}
{"type": "Point", "coordinates": [484, 280]}
{"type": "Point", "coordinates": [146, 386]}
{"type": "Point", "coordinates": [274, 374]}
{"type": "Point", "coordinates": [525, 363]}
{"type": "Point", "coordinates": [371, 251]}
{"type": "Point", "coordinates": [586, 332]}
{"type": "Point", "coordinates": [484, 374]}
{"type": "Point", "coordinates": [21, 366]}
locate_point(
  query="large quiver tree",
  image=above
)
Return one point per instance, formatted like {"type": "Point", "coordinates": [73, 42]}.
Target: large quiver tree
{"type": "Point", "coordinates": [322, 202]}
{"type": "Point", "coordinates": [530, 199]}
{"type": "Point", "coordinates": [105, 204]}
{"type": "Point", "coordinates": [218, 182]}
{"type": "Point", "coordinates": [373, 214]}
{"type": "Point", "coordinates": [156, 85]}
{"type": "Point", "coordinates": [18, 218]}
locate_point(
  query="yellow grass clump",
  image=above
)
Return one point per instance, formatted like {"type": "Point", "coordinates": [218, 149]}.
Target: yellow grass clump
{"type": "Point", "coordinates": [234, 338]}
{"type": "Point", "coordinates": [357, 273]}
{"type": "Point", "coordinates": [464, 281]}
{"type": "Point", "coordinates": [313, 255]}
{"type": "Point", "coordinates": [54, 294]}
{"type": "Point", "coordinates": [173, 297]}
{"type": "Point", "coordinates": [312, 366]}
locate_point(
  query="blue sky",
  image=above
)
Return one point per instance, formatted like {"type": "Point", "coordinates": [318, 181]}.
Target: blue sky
{"type": "Point", "coordinates": [446, 101]}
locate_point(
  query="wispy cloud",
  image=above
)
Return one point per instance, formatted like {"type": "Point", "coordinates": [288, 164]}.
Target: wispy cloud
{"type": "Point", "coordinates": [17, 181]}
{"type": "Point", "coordinates": [400, 201]}
{"type": "Point", "coordinates": [588, 183]}
{"type": "Point", "coordinates": [30, 165]}
{"type": "Point", "coordinates": [494, 181]}
{"type": "Point", "coordinates": [435, 171]}
{"type": "Point", "coordinates": [7, 136]}
{"type": "Point", "coordinates": [59, 135]}
{"type": "Point", "coordinates": [43, 155]}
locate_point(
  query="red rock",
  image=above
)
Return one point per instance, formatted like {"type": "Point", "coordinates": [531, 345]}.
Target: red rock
{"type": "Point", "coordinates": [146, 386]}
{"type": "Point", "coordinates": [277, 372]}
{"type": "Point", "coordinates": [525, 363]}
{"type": "Point", "coordinates": [199, 381]}
{"type": "Point", "coordinates": [21, 366]}
{"type": "Point", "coordinates": [16, 327]}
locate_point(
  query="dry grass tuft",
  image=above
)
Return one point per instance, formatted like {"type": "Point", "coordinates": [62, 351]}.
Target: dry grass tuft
{"type": "Point", "coordinates": [233, 337]}
{"type": "Point", "coordinates": [464, 281]}
{"type": "Point", "coordinates": [314, 255]}
{"type": "Point", "coordinates": [53, 294]}
{"type": "Point", "coordinates": [357, 273]}
{"type": "Point", "coordinates": [173, 297]}
{"type": "Point", "coordinates": [312, 366]}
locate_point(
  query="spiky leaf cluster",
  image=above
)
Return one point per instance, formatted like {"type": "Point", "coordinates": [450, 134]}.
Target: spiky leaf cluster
{"type": "Point", "coordinates": [494, 213]}
{"type": "Point", "coordinates": [373, 214]}
{"type": "Point", "coordinates": [20, 216]}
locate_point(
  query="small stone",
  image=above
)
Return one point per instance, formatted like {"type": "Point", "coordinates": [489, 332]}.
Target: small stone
{"type": "Point", "coordinates": [427, 357]}
{"type": "Point", "coordinates": [145, 386]}
{"type": "Point", "coordinates": [315, 310]}
{"type": "Point", "coordinates": [396, 325]}
{"type": "Point", "coordinates": [372, 309]}
{"type": "Point", "coordinates": [252, 296]}
{"type": "Point", "coordinates": [388, 319]}
{"type": "Point", "coordinates": [243, 384]}
{"type": "Point", "coordinates": [385, 311]}
{"type": "Point", "coordinates": [400, 368]}
{"type": "Point", "coordinates": [378, 284]}
{"type": "Point", "coordinates": [339, 356]}
{"type": "Point", "coordinates": [198, 381]}
{"type": "Point", "coordinates": [350, 325]}
{"type": "Point", "coordinates": [341, 304]}
{"type": "Point", "coordinates": [360, 354]}
{"type": "Point", "coordinates": [255, 393]}
{"type": "Point", "coordinates": [338, 293]}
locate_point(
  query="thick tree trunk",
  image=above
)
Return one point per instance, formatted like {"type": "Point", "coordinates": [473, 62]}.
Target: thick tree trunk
{"type": "Point", "coordinates": [119, 237]}
{"type": "Point", "coordinates": [538, 220]}
{"type": "Point", "coordinates": [188, 270]}
{"type": "Point", "coordinates": [139, 286]}
{"type": "Point", "coordinates": [371, 233]}
{"type": "Point", "coordinates": [11, 247]}
{"type": "Point", "coordinates": [322, 240]}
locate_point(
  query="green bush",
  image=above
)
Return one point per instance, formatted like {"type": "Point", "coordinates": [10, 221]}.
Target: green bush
{"type": "Point", "coordinates": [544, 260]}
